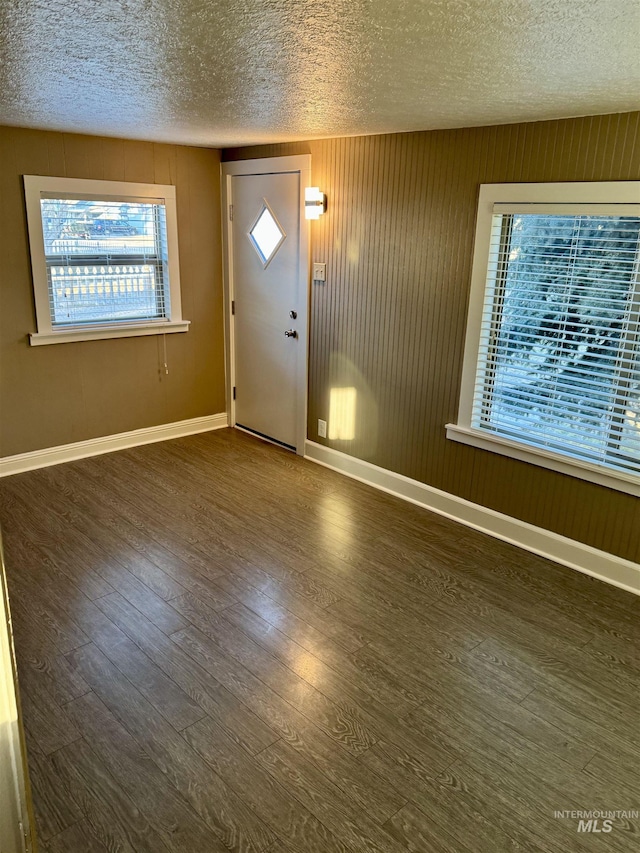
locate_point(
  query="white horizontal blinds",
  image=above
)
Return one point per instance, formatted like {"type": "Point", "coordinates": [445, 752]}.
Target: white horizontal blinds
{"type": "Point", "coordinates": [106, 260]}
{"type": "Point", "coordinates": [559, 364]}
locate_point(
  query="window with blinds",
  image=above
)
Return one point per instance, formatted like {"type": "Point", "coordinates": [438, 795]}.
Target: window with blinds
{"type": "Point", "coordinates": [104, 257]}
{"type": "Point", "coordinates": [556, 366]}
{"type": "Point", "coordinates": [106, 261]}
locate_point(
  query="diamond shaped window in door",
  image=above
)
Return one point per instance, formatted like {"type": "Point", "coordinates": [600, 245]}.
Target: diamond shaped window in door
{"type": "Point", "coordinates": [266, 235]}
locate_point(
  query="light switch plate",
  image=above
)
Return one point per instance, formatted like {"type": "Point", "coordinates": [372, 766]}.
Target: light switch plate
{"type": "Point", "coordinates": [319, 272]}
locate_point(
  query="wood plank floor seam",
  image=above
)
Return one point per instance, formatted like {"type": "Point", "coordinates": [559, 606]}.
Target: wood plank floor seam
{"type": "Point", "coordinates": [525, 697]}
{"type": "Point", "coordinates": [52, 838]}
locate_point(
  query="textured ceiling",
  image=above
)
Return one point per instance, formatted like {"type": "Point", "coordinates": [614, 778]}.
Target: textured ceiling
{"type": "Point", "coordinates": [228, 72]}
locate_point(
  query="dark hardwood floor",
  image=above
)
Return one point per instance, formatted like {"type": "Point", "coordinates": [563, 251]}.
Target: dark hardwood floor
{"type": "Point", "coordinates": [224, 647]}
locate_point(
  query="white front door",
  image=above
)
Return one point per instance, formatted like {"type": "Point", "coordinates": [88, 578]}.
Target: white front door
{"type": "Point", "coordinates": [269, 293]}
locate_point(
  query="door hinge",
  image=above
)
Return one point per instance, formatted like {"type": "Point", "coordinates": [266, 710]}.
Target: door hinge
{"type": "Point", "coordinates": [234, 392]}
{"type": "Point", "coordinates": [233, 306]}
{"type": "Point", "coordinates": [230, 213]}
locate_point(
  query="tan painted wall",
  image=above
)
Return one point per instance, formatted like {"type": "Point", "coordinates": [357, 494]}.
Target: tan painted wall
{"type": "Point", "coordinates": [58, 394]}
{"type": "Point", "coordinates": [397, 240]}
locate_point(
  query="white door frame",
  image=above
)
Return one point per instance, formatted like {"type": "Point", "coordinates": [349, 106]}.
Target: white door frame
{"type": "Point", "coordinates": [269, 165]}
{"type": "Point", "coordinates": [16, 814]}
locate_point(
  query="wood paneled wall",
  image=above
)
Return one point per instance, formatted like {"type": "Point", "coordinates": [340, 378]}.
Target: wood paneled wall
{"type": "Point", "coordinates": [390, 321]}
{"type": "Point", "coordinates": [58, 394]}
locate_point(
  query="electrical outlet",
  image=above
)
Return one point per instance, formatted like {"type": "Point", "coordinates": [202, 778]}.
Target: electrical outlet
{"type": "Point", "coordinates": [319, 272]}
{"type": "Point", "coordinates": [322, 428]}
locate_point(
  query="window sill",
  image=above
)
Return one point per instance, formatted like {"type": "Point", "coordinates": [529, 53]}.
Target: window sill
{"type": "Point", "coordinates": [100, 333]}
{"type": "Point", "coordinates": [617, 480]}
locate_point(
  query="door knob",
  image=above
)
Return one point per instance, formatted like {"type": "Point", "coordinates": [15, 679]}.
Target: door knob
{"type": "Point", "coordinates": [291, 333]}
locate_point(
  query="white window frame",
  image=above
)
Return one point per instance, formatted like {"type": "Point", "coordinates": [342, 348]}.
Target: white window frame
{"type": "Point", "coordinates": [610, 193]}
{"type": "Point", "coordinates": [35, 187]}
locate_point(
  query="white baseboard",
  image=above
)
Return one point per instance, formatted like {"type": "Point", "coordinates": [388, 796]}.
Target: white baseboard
{"type": "Point", "coordinates": [108, 443]}
{"type": "Point", "coordinates": [568, 552]}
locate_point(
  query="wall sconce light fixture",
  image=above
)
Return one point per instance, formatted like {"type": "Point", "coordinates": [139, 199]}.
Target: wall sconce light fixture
{"type": "Point", "coordinates": [315, 203]}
